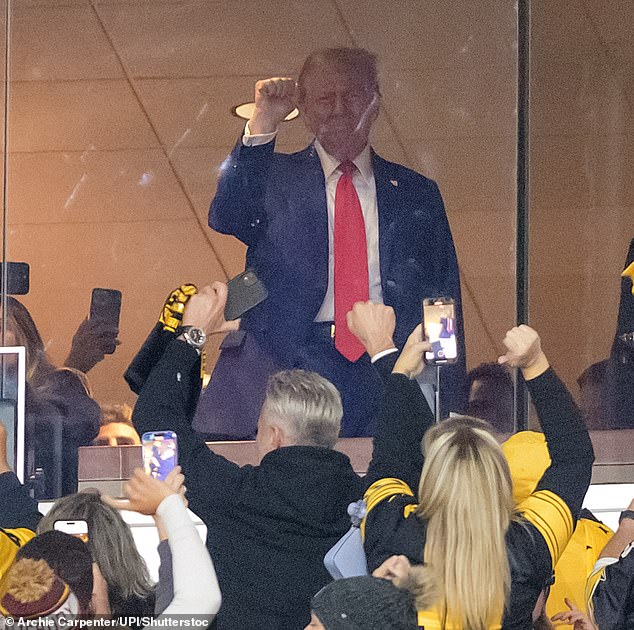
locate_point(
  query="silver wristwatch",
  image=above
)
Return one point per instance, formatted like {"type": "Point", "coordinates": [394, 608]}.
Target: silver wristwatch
{"type": "Point", "coordinates": [195, 337]}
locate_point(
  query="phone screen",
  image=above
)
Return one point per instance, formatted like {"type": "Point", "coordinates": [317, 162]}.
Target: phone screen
{"type": "Point", "coordinates": [439, 320]}
{"type": "Point", "coordinates": [74, 528]}
{"type": "Point", "coordinates": [105, 305]}
{"type": "Point", "coordinates": [160, 453]}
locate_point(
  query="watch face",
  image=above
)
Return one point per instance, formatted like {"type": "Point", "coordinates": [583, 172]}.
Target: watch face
{"type": "Point", "coordinates": [197, 336]}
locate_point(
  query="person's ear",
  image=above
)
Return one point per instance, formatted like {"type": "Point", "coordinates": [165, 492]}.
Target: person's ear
{"type": "Point", "coordinates": [277, 436]}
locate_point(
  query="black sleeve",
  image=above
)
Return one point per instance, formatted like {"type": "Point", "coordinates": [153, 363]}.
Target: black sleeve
{"type": "Point", "coordinates": [613, 598]}
{"type": "Point", "coordinates": [18, 508]}
{"type": "Point", "coordinates": [404, 416]}
{"type": "Point", "coordinates": [163, 405]}
{"type": "Point", "coordinates": [165, 586]}
{"type": "Point", "coordinates": [63, 395]}
{"type": "Point", "coordinates": [567, 438]}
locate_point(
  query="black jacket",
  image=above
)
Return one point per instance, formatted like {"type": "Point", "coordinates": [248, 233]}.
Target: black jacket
{"type": "Point", "coordinates": [268, 526]}
{"type": "Point", "coordinates": [19, 517]}
{"type": "Point", "coordinates": [61, 416]}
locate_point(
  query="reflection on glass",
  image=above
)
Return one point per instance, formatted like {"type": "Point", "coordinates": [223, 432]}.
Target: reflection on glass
{"type": "Point", "coordinates": [120, 119]}
{"type": "Point", "coordinates": [60, 413]}
{"type": "Point", "coordinates": [582, 214]}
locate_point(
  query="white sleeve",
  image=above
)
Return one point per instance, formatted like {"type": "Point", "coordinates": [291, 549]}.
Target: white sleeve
{"type": "Point", "coordinates": [256, 139]}
{"type": "Point", "coordinates": [601, 563]}
{"type": "Point", "coordinates": [196, 590]}
{"type": "Point", "coordinates": [383, 353]}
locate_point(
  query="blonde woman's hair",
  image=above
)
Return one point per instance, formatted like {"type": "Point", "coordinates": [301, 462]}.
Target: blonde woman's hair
{"type": "Point", "coordinates": [308, 405]}
{"type": "Point", "coordinates": [466, 497]}
{"type": "Point", "coordinates": [19, 321]}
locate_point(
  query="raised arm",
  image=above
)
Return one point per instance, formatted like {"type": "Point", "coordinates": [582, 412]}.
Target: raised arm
{"type": "Point", "coordinates": [622, 537]}
{"type": "Point", "coordinates": [404, 415]}
{"type": "Point", "coordinates": [196, 589]}
{"type": "Point", "coordinates": [238, 206]}
{"type": "Point", "coordinates": [559, 495]}
{"type": "Point", "coordinates": [167, 402]}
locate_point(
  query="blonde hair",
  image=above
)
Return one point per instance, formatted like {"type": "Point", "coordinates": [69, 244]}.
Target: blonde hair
{"type": "Point", "coordinates": [308, 405]}
{"type": "Point", "coordinates": [465, 496]}
{"type": "Point", "coordinates": [20, 322]}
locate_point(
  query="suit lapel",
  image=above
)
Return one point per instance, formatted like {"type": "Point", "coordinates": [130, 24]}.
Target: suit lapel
{"type": "Point", "coordinates": [387, 197]}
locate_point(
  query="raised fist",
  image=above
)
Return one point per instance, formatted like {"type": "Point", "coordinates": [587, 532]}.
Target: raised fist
{"type": "Point", "coordinates": [274, 100]}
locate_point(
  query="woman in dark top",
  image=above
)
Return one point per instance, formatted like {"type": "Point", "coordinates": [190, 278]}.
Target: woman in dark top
{"type": "Point", "coordinates": [486, 560]}
{"type": "Point", "coordinates": [60, 412]}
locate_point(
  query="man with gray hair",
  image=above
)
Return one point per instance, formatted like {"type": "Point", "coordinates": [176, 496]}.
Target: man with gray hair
{"type": "Point", "coordinates": [268, 526]}
{"type": "Point", "coordinates": [300, 407]}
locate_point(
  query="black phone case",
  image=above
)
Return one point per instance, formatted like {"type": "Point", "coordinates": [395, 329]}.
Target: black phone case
{"type": "Point", "coordinates": [17, 278]}
{"type": "Point", "coordinates": [243, 293]}
{"type": "Point", "coordinates": [105, 304]}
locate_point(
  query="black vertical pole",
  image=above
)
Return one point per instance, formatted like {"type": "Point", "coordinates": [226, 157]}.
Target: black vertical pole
{"type": "Point", "coordinates": [523, 173]}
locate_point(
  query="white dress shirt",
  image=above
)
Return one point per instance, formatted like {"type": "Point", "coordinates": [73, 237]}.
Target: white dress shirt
{"type": "Point", "coordinates": [363, 180]}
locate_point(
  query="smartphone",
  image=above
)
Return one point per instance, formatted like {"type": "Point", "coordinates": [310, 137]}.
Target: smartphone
{"type": "Point", "coordinates": [105, 305]}
{"type": "Point", "coordinates": [160, 453]}
{"type": "Point", "coordinates": [17, 278]}
{"type": "Point", "coordinates": [74, 528]}
{"type": "Point", "coordinates": [439, 324]}
{"type": "Point", "coordinates": [244, 292]}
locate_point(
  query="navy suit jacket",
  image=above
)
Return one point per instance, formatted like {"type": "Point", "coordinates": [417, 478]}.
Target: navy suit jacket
{"type": "Point", "coordinates": [276, 204]}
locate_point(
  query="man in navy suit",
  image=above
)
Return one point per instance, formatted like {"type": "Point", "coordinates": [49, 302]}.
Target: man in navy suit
{"type": "Point", "coordinates": [283, 208]}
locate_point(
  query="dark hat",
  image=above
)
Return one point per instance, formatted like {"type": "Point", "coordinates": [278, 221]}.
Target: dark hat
{"type": "Point", "coordinates": [364, 602]}
{"type": "Point", "coordinates": [31, 589]}
{"type": "Point", "coordinates": [68, 556]}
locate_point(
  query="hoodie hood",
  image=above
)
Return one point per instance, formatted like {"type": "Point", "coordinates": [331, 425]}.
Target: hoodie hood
{"type": "Point", "coordinates": [307, 489]}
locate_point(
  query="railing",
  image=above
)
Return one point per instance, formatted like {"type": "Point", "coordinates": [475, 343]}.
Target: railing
{"type": "Point", "coordinates": [107, 467]}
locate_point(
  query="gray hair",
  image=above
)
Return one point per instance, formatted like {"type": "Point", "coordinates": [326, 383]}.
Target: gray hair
{"type": "Point", "coordinates": [308, 405]}
{"type": "Point", "coordinates": [110, 542]}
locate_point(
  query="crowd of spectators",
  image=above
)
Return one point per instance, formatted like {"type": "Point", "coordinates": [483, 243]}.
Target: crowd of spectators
{"type": "Point", "coordinates": [463, 533]}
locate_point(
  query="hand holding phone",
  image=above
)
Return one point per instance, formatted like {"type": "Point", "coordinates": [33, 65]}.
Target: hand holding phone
{"type": "Point", "coordinates": [144, 494]}
{"type": "Point", "coordinates": [244, 292]}
{"type": "Point", "coordinates": [439, 322]}
{"type": "Point", "coordinates": [160, 453]}
{"type": "Point", "coordinates": [105, 312]}
{"type": "Point", "coordinates": [411, 362]}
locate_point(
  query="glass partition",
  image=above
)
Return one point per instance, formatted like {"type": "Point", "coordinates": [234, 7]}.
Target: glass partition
{"type": "Point", "coordinates": [581, 201]}
{"type": "Point", "coordinates": [120, 118]}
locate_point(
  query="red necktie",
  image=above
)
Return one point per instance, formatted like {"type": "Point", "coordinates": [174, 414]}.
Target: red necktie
{"type": "Point", "coordinates": [351, 261]}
